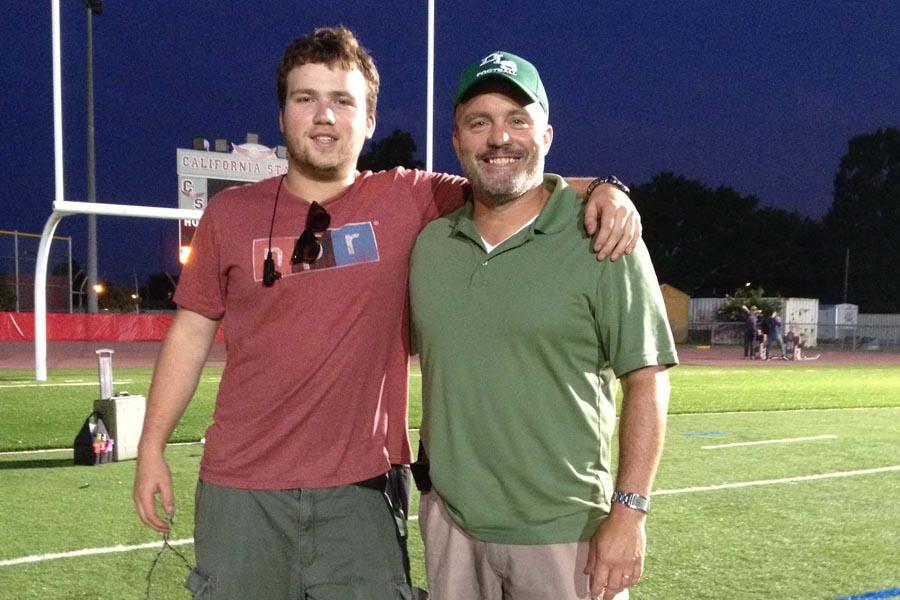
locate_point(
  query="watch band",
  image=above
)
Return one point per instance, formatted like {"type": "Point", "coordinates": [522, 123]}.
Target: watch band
{"type": "Point", "coordinates": [611, 180]}
{"type": "Point", "coordinates": [632, 500]}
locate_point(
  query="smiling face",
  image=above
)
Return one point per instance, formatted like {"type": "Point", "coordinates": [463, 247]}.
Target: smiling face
{"type": "Point", "coordinates": [501, 138]}
{"type": "Point", "coordinates": [325, 120]}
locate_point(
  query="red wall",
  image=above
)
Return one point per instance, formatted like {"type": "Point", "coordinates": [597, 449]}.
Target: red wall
{"type": "Point", "coordinates": [70, 327]}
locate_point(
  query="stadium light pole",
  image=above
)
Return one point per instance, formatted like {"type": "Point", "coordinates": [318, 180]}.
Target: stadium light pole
{"type": "Point", "coordinates": [429, 94]}
{"type": "Point", "coordinates": [846, 272]}
{"type": "Point", "coordinates": [92, 7]}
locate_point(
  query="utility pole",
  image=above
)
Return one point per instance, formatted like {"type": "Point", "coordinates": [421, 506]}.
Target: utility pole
{"type": "Point", "coordinates": [93, 7]}
{"type": "Point", "coordinates": [846, 273]}
{"type": "Point", "coordinates": [136, 296]}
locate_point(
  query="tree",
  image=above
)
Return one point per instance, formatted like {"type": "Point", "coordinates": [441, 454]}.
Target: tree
{"type": "Point", "coordinates": [116, 298]}
{"type": "Point", "coordinates": [7, 294]}
{"type": "Point", "coordinates": [865, 218]}
{"type": "Point", "coordinates": [695, 234]}
{"type": "Point", "coordinates": [396, 150]}
{"type": "Point", "coordinates": [159, 291]}
{"type": "Point", "coordinates": [705, 241]}
{"type": "Point", "coordinates": [748, 296]}
{"type": "Point", "coordinates": [786, 252]}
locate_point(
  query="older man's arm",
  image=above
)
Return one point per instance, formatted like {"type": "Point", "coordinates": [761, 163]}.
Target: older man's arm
{"type": "Point", "coordinates": [616, 556]}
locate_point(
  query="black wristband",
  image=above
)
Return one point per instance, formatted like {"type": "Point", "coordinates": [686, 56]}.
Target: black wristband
{"type": "Point", "coordinates": [611, 180]}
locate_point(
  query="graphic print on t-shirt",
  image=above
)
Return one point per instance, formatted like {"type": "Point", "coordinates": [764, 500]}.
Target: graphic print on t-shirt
{"type": "Point", "coordinates": [345, 246]}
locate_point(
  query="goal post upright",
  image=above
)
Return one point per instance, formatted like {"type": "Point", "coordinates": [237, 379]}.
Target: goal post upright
{"type": "Point", "coordinates": [63, 208]}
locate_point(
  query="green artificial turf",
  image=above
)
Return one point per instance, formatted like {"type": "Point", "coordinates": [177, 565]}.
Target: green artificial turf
{"type": "Point", "coordinates": [812, 518]}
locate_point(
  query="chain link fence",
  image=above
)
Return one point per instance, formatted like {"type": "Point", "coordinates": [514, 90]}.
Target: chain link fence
{"type": "Point", "coordinates": [18, 260]}
{"type": "Point", "coordinates": [864, 338]}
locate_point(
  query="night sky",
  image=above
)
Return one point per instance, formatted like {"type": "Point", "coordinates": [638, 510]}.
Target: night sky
{"type": "Point", "coordinates": [760, 96]}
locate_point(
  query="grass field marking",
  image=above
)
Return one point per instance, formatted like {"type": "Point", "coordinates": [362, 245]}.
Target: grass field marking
{"type": "Point", "coordinates": [44, 450]}
{"type": "Point", "coordinates": [892, 593]}
{"type": "Point", "coordinates": [90, 552]}
{"type": "Point", "coordinates": [122, 548]}
{"type": "Point", "coordinates": [776, 410]}
{"type": "Point", "coordinates": [63, 384]}
{"type": "Point", "coordinates": [811, 438]}
{"type": "Point", "coordinates": [743, 484]}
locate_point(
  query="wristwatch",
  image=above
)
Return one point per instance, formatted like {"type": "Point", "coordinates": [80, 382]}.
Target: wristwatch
{"type": "Point", "coordinates": [632, 500]}
{"type": "Point", "coordinates": [611, 180]}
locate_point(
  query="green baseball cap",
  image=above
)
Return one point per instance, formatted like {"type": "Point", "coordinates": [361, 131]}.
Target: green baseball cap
{"type": "Point", "coordinates": [503, 65]}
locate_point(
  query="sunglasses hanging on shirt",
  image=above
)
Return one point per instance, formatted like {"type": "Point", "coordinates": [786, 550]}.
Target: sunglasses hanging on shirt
{"type": "Point", "coordinates": [307, 248]}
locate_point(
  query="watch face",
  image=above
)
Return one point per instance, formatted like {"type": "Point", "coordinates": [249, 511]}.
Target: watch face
{"type": "Point", "coordinates": [632, 500]}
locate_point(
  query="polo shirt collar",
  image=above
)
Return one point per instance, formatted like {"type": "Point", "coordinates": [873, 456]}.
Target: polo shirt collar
{"type": "Point", "coordinates": [554, 218]}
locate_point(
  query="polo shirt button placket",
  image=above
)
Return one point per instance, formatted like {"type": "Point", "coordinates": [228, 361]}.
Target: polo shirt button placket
{"type": "Point", "coordinates": [478, 275]}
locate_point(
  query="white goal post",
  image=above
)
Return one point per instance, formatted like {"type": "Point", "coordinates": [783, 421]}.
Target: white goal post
{"type": "Point", "coordinates": [63, 208]}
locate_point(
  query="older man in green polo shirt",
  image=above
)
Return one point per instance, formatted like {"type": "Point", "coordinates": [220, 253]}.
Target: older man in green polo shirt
{"type": "Point", "coordinates": [523, 336]}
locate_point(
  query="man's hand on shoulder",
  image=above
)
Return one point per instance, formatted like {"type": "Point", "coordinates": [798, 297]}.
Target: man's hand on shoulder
{"type": "Point", "coordinates": [611, 215]}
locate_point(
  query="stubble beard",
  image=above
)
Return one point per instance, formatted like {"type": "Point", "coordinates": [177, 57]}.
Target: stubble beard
{"type": "Point", "coordinates": [503, 187]}
{"type": "Point", "coordinates": [316, 166]}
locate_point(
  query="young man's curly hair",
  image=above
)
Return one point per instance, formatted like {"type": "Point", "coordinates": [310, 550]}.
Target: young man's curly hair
{"type": "Point", "coordinates": [335, 47]}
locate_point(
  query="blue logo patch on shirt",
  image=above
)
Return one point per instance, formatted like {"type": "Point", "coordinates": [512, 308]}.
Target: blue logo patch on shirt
{"type": "Point", "coordinates": [354, 243]}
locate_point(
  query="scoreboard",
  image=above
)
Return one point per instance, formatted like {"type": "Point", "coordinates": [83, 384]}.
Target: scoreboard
{"type": "Point", "coordinates": [203, 173]}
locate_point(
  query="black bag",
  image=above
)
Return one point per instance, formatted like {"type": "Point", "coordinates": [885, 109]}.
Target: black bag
{"type": "Point", "coordinates": [92, 445]}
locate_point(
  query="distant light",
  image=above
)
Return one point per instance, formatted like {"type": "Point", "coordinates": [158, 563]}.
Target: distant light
{"type": "Point", "coordinates": [99, 288]}
{"type": "Point", "coordinates": [747, 284]}
{"type": "Point", "coordinates": [183, 254]}
{"type": "Point", "coordinates": [134, 296]}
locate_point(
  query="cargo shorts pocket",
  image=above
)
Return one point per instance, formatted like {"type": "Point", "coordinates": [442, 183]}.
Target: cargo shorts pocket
{"type": "Point", "coordinates": [419, 594]}
{"type": "Point", "coordinates": [199, 585]}
{"type": "Point", "coordinates": [405, 592]}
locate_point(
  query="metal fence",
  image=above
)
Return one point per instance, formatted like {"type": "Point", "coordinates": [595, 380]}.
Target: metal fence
{"type": "Point", "coordinates": [870, 338]}
{"type": "Point", "coordinates": [865, 338]}
{"type": "Point", "coordinates": [18, 259]}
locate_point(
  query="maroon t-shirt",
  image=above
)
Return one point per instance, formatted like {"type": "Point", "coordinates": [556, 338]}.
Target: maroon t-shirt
{"type": "Point", "coordinates": [314, 391]}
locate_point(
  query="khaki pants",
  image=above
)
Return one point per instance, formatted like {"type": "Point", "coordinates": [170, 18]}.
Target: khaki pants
{"type": "Point", "coordinates": [460, 567]}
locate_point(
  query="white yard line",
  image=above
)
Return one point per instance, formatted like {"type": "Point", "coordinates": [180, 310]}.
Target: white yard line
{"type": "Point", "coordinates": [118, 549]}
{"type": "Point", "coordinates": [90, 552]}
{"type": "Point", "coordinates": [45, 451]}
{"type": "Point", "coordinates": [779, 441]}
{"type": "Point", "coordinates": [6, 386]}
{"type": "Point", "coordinates": [15, 452]}
{"type": "Point", "coordinates": [779, 410]}
{"type": "Point", "coordinates": [743, 484]}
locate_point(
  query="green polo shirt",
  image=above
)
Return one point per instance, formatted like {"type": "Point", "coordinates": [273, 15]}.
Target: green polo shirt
{"type": "Point", "coordinates": [520, 352]}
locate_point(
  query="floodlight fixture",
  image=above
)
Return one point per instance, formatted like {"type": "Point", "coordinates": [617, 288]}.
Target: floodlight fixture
{"type": "Point", "coordinates": [95, 6]}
